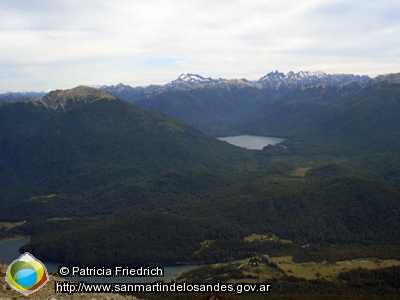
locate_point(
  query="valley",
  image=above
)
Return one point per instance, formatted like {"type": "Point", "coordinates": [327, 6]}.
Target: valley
{"type": "Point", "coordinates": [83, 171]}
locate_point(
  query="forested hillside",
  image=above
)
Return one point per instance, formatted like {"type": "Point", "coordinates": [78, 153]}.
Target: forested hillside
{"type": "Point", "coordinates": [342, 125]}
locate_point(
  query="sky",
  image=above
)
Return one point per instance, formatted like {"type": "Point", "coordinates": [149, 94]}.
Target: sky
{"type": "Point", "coordinates": [60, 44]}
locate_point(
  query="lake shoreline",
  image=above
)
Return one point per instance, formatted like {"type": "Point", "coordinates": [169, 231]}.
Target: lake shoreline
{"type": "Point", "coordinates": [251, 142]}
{"type": "Point", "coordinates": [9, 252]}
{"type": "Point", "coordinates": [17, 237]}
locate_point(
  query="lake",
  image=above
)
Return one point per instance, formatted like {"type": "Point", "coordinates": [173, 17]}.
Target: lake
{"type": "Point", "coordinates": [9, 252]}
{"type": "Point", "coordinates": [252, 142]}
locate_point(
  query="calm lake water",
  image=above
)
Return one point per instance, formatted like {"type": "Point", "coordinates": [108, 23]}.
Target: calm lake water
{"type": "Point", "coordinates": [9, 252]}
{"type": "Point", "coordinates": [252, 142]}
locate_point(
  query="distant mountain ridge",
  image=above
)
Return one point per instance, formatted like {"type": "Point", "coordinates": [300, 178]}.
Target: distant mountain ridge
{"type": "Point", "coordinates": [275, 81]}
{"type": "Point", "coordinates": [10, 97]}
{"type": "Point", "coordinates": [64, 100]}
{"type": "Point", "coordinates": [214, 105]}
{"type": "Point", "coordinates": [280, 81]}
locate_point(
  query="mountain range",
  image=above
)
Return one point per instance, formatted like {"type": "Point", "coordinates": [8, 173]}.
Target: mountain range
{"type": "Point", "coordinates": [213, 105]}
{"type": "Point", "coordinates": [10, 97]}
{"type": "Point", "coordinates": [275, 81]}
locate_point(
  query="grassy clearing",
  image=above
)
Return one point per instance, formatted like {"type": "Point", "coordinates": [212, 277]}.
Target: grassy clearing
{"type": "Point", "coordinates": [249, 270]}
{"type": "Point", "coordinates": [329, 271]}
{"type": "Point", "coordinates": [266, 237]}
{"type": "Point", "coordinates": [58, 219]}
{"type": "Point", "coordinates": [300, 172]}
{"type": "Point", "coordinates": [42, 198]}
{"type": "Point", "coordinates": [260, 237]}
{"type": "Point", "coordinates": [261, 269]}
{"type": "Point", "coordinates": [286, 241]}
{"type": "Point", "coordinates": [9, 225]}
{"type": "Point", "coordinates": [259, 272]}
{"type": "Point", "coordinates": [203, 245]}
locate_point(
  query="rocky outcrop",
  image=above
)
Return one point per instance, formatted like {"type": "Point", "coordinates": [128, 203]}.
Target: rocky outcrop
{"type": "Point", "coordinates": [47, 291]}
{"type": "Point", "coordinates": [63, 100]}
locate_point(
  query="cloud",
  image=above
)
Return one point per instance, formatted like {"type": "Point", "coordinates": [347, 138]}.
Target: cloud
{"type": "Point", "coordinates": [65, 43]}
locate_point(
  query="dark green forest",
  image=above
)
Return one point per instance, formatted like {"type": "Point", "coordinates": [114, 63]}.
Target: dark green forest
{"type": "Point", "coordinates": [212, 110]}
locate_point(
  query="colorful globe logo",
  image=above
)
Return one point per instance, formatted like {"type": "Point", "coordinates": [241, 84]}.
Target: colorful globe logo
{"type": "Point", "coordinates": [27, 274]}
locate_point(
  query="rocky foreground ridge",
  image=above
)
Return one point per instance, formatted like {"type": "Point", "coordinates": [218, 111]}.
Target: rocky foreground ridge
{"type": "Point", "coordinates": [47, 292]}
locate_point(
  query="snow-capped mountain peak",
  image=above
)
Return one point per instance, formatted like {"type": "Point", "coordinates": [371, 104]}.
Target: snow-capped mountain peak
{"type": "Point", "coordinates": [275, 74]}
{"type": "Point", "coordinates": [193, 78]}
{"type": "Point", "coordinates": [307, 74]}
{"type": "Point", "coordinates": [277, 80]}
{"type": "Point", "coordinates": [189, 81]}
{"type": "Point", "coordinates": [291, 74]}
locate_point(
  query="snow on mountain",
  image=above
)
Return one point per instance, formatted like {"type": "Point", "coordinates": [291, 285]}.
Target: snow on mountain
{"type": "Point", "coordinates": [276, 81]}
{"type": "Point", "coordinates": [189, 81]}
{"type": "Point", "coordinates": [10, 97]}
{"type": "Point", "coordinates": [193, 78]}
{"type": "Point", "coordinates": [275, 74]}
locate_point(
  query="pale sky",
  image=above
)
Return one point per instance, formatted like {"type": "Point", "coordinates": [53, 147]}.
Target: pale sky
{"type": "Point", "coordinates": [60, 44]}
